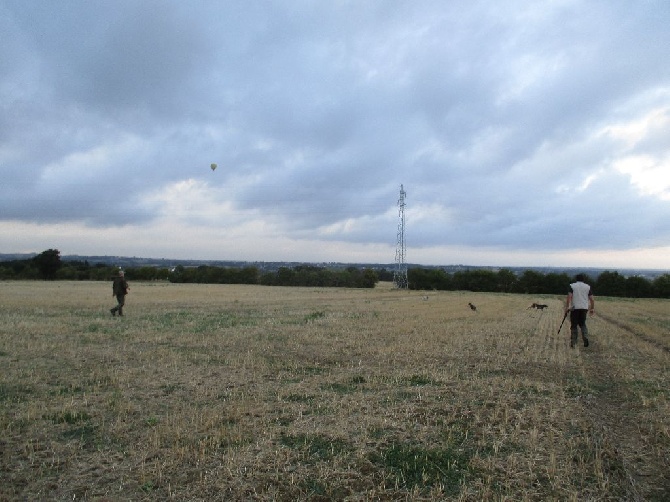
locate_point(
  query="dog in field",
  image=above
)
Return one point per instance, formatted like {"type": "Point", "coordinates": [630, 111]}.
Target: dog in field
{"type": "Point", "coordinates": [472, 307]}
{"type": "Point", "coordinates": [538, 306]}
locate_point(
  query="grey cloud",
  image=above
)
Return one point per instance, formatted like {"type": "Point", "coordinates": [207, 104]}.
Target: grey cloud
{"type": "Point", "coordinates": [482, 109]}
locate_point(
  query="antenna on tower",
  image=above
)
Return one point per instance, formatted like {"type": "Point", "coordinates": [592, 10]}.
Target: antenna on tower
{"type": "Point", "coordinates": [400, 273]}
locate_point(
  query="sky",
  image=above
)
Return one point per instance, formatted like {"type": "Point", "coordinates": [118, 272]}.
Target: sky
{"type": "Point", "coordinates": [524, 132]}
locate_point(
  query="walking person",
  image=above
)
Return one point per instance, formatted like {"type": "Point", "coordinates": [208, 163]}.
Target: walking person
{"type": "Point", "coordinates": [120, 290]}
{"type": "Point", "coordinates": [579, 302]}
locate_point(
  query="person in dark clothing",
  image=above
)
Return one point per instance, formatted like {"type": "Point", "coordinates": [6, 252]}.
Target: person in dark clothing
{"type": "Point", "coordinates": [579, 302]}
{"type": "Point", "coordinates": [120, 290]}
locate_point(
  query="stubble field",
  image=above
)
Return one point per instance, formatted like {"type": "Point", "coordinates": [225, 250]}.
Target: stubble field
{"type": "Point", "coordinates": [217, 392]}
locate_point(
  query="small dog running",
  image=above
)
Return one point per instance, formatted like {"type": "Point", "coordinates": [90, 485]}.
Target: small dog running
{"type": "Point", "coordinates": [472, 307]}
{"type": "Point", "coordinates": [538, 306]}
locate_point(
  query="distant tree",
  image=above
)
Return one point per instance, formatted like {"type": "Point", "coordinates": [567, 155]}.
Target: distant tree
{"type": "Point", "coordinates": [248, 275]}
{"type": "Point", "coordinates": [385, 275]}
{"type": "Point", "coordinates": [6, 273]}
{"type": "Point", "coordinates": [177, 274]}
{"type": "Point", "coordinates": [506, 280]}
{"type": "Point", "coordinates": [48, 262]}
{"type": "Point", "coordinates": [610, 284]}
{"type": "Point", "coordinates": [530, 282]}
{"type": "Point", "coordinates": [661, 286]}
{"type": "Point", "coordinates": [285, 276]}
{"type": "Point", "coordinates": [66, 274]}
{"type": "Point", "coordinates": [102, 272]}
{"type": "Point", "coordinates": [357, 278]}
{"type": "Point", "coordinates": [475, 280]}
{"type": "Point", "coordinates": [556, 284]}
{"type": "Point", "coordinates": [147, 273]}
{"type": "Point", "coordinates": [268, 279]}
{"type": "Point", "coordinates": [429, 279]}
{"type": "Point", "coordinates": [369, 279]}
{"type": "Point", "coordinates": [638, 287]}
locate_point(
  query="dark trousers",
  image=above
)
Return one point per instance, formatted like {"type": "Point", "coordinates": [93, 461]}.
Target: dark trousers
{"type": "Point", "coordinates": [578, 320]}
{"type": "Point", "coordinates": [121, 301]}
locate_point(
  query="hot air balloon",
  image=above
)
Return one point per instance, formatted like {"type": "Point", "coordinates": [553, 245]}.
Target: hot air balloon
{"type": "Point", "coordinates": [213, 166]}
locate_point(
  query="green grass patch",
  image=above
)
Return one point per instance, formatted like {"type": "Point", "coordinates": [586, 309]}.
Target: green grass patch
{"type": "Point", "coordinates": [418, 380]}
{"type": "Point", "coordinates": [300, 398]}
{"type": "Point", "coordinates": [199, 322]}
{"type": "Point", "coordinates": [170, 388]}
{"type": "Point", "coordinates": [346, 387]}
{"type": "Point", "coordinates": [576, 387]}
{"type": "Point", "coordinates": [68, 390]}
{"type": "Point", "coordinates": [314, 405]}
{"type": "Point", "coordinates": [314, 316]}
{"type": "Point", "coordinates": [148, 487]}
{"type": "Point", "coordinates": [309, 370]}
{"type": "Point", "coordinates": [86, 434]}
{"type": "Point", "coordinates": [413, 466]}
{"type": "Point", "coordinates": [69, 417]}
{"type": "Point", "coordinates": [315, 447]}
{"type": "Point", "coordinates": [15, 393]}
{"type": "Point", "coordinates": [650, 389]}
{"type": "Point", "coordinates": [320, 489]}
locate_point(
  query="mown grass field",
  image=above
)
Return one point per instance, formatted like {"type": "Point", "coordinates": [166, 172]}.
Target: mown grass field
{"type": "Point", "coordinates": [216, 392]}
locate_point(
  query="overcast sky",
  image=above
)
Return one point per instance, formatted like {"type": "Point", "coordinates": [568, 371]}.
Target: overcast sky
{"type": "Point", "coordinates": [529, 132]}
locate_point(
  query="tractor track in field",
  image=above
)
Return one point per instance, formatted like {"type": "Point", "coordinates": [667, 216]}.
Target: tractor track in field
{"type": "Point", "coordinates": [616, 431]}
{"type": "Point", "coordinates": [619, 429]}
{"type": "Point", "coordinates": [660, 346]}
{"type": "Point", "coordinates": [608, 412]}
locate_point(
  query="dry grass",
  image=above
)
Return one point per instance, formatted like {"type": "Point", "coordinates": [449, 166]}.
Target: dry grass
{"type": "Point", "coordinates": [255, 393]}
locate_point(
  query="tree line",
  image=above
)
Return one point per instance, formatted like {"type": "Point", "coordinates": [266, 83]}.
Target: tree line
{"type": "Point", "coordinates": [302, 275]}
{"type": "Point", "coordinates": [531, 282]}
{"type": "Point", "coordinates": [49, 266]}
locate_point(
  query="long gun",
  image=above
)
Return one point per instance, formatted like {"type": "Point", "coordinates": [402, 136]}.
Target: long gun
{"type": "Point", "coordinates": [564, 316]}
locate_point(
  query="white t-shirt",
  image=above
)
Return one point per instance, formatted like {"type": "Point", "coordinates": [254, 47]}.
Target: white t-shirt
{"type": "Point", "coordinates": [580, 295]}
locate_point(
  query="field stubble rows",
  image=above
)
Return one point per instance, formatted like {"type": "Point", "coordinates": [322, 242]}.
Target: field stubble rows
{"type": "Point", "coordinates": [215, 392]}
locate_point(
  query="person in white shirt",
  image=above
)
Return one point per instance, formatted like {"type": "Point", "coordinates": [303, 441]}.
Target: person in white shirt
{"type": "Point", "coordinates": [579, 302]}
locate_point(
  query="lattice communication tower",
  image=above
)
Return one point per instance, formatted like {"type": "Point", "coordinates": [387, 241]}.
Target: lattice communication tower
{"type": "Point", "coordinates": [400, 273]}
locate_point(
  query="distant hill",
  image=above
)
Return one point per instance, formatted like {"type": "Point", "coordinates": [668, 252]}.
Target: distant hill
{"type": "Point", "coordinates": [270, 266]}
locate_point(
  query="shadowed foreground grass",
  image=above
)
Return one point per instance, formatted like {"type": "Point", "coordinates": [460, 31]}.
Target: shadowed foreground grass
{"type": "Point", "coordinates": [208, 392]}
